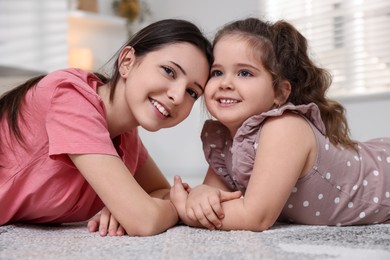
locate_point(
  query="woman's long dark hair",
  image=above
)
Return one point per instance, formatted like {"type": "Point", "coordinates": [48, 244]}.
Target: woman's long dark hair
{"type": "Point", "coordinates": [150, 38]}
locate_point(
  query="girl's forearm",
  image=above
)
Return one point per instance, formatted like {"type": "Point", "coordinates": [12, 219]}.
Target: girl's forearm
{"type": "Point", "coordinates": [239, 216]}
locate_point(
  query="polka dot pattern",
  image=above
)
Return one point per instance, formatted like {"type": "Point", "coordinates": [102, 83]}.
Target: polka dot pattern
{"type": "Point", "coordinates": [365, 185]}
{"type": "Point", "coordinates": [344, 187]}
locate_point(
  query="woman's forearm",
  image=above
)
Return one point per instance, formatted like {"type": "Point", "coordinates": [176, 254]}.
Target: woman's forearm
{"type": "Point", "coordinates": [166, 215]}
{"type": "Point", "coordinates": [157, 217]}
{"type": "Point", "coordinates": [161, 194]}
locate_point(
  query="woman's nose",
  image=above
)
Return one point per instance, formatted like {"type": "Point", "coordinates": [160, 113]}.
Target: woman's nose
{"type": "Point", "coordinates": [176, 94]}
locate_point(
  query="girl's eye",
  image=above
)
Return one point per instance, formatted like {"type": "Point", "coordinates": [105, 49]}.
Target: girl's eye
{"type": "Point", "coordinates": [244, 73]}
{"type": "Point", "coordinates": [192, 93]}
{"type": "Point", "coordinates": [169, 71]}
{"type": "Point", "coordinates": [215, 73]}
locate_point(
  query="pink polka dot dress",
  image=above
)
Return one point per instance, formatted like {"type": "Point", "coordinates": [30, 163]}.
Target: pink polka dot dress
{"type": "Point", "coordinates": [344, 187]}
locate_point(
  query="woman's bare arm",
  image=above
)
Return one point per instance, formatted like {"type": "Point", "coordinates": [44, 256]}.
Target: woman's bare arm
{"type": "Point", "coordinates": [131, 205]}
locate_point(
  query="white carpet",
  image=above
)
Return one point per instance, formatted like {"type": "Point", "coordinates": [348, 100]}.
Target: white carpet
{"type": "Point", "coordinates": [73, 241]}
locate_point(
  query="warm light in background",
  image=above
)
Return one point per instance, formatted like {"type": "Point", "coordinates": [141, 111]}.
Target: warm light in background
{"type": "Point", "coordinates": [81, 58]}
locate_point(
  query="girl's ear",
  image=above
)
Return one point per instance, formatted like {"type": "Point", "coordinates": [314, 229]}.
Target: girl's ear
{"type": "Point", "coordinates": [126, 59]}
{"type": "Point", "coordinates": [283, 93]}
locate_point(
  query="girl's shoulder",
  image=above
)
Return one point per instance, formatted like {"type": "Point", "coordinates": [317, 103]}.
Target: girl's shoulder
{"type": "Point", "coordinates": [310, 112]}
{"type": "Point", "coordinates": [214, 134]}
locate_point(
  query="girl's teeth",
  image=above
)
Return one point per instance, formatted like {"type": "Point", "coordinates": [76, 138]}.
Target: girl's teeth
{"type": "Point", "coordinates": [228, 101]}
{"type": "Point", "coordinates": [160, 108]}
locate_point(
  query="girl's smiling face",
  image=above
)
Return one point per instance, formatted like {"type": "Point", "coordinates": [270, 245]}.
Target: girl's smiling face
{"type": "Point", "coordinates": [239, 86]}
{"type": "Point", "coordinates": [162, 86]}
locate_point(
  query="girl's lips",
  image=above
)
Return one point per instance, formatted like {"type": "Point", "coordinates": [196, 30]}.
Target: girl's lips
{"type": "Point", "coordinates": [160, 108]}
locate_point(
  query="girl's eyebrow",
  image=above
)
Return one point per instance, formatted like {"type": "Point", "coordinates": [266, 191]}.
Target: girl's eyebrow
{"type": "Point", "coordinates": [184, 72]}
{"type": "Point", "coordinates": [216, 65]}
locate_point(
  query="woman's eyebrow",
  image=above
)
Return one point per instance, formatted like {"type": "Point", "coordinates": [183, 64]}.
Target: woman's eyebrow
{"type": "Point", "coordinates": [184, 72]}
{"type": "Point", "coordinates": [199, 86]}
{"type": "Point", "coordinates": [180, 68]}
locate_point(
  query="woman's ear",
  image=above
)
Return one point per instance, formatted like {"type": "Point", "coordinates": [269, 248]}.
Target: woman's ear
{"type": "Point", "coordinates": [283, 93]}
{"type": "Point", "coordinates": [126, 59]}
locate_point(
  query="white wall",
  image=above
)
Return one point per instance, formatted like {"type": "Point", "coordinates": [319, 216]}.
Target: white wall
{"type": "Point", "coordinates": [208, 14]}
{"type": "Point", "coordinates": [368, 116]}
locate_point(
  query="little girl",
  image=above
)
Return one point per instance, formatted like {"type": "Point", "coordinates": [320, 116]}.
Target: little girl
{"type": "Point", "coordinates": [69, 143]}
{"type": "Point", "coordinates": [280, 141]}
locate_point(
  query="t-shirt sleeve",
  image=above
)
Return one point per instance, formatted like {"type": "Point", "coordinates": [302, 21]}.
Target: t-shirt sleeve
{"type": "Point", "coordinates": [134, 152]}
{"type": "Point", "coordinates": [76, 122]}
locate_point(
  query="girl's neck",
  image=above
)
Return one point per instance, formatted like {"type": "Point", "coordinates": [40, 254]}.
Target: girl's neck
{"type": "Point", "coordinates": [232, 131]}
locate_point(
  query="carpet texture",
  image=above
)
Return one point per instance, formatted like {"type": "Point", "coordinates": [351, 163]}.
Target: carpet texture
{"type": "Point", "coordinates": [73, 241]}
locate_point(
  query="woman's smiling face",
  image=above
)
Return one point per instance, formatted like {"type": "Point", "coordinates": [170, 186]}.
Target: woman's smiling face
{"type": "Point", "coordinates": [162, 86]}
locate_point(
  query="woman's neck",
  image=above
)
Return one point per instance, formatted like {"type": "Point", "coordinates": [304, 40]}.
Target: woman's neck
{"type": "Point", "coordinates": [117, 114]}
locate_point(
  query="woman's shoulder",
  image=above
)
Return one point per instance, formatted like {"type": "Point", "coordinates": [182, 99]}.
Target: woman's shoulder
{"type": "Point", "coordinates": [76, 77]}
{"type": "Point", "coordinates": [71, 73]}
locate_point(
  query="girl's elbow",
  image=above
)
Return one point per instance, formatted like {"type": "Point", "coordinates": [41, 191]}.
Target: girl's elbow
{"type": "Point", "coordinates": [259, 224]}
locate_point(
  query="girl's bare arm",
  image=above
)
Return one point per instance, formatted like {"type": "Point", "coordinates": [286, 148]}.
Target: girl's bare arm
{"type": "Point", "coordinates": [285, 153]}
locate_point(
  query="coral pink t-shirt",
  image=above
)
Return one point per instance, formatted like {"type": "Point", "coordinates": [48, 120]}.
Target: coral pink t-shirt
{"type": "Point", "coordinates": [62, 115]}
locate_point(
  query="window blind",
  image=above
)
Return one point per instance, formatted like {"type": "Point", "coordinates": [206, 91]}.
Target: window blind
{"type": "Point", "coordinates": [350, 38]}
{"type": "Point", "coordinates": [33, 34]}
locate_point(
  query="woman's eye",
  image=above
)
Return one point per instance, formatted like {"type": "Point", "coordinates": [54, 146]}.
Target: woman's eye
{"type": "Point", "coordinates": [169, 71]}
{"type": "Point", "coordinates": [192, 93]}
{"type": "Point", "coordinates": [215, 73]}
{"type": "Point", "coordinates": [244, 73]}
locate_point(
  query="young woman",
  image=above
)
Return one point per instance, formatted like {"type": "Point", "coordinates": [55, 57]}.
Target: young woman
{"type": "Point", "coordinates": [69, 143]}
{"type": "Point", "coordinates": [279, 141]}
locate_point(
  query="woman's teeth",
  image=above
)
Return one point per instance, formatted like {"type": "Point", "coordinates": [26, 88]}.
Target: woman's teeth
{"type": "Point", "coordinates": [160, 108]}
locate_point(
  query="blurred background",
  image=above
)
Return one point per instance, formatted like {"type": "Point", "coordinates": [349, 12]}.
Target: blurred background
{"type": "Point", "coordinates": [349, 37]}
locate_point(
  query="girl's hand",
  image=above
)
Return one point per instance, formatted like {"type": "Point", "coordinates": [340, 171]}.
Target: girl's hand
{"type": "Point", "coordinates": [106, 223]}
{"type": "Point", "coordinates": [204, 205]}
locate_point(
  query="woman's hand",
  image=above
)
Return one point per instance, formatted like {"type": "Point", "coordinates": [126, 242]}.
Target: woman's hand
{"type": "Point", "coordinates": [106, 224]}
{"type": "Point", "coordinates": [204, 205]}
{"type": "Point", "coordinates": [178, 196]}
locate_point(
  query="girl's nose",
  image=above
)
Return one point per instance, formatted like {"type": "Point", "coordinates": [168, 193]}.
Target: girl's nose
{"type": "Point", "coordinates": [226, 84]}
{"type": "Point", "coordinates": [176, 94]}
